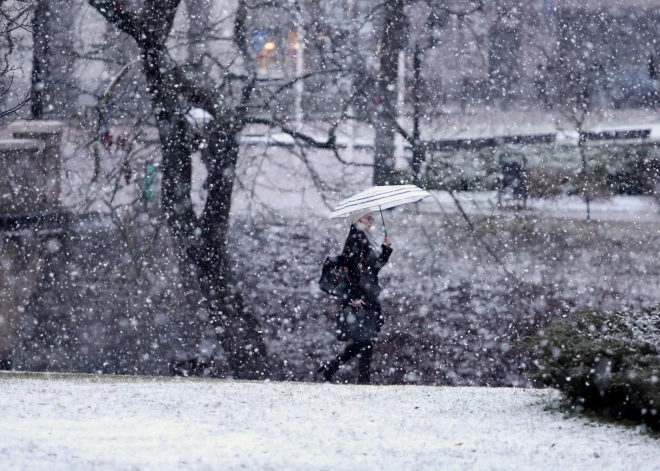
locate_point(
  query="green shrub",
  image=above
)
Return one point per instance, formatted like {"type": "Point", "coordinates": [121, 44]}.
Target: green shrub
{"type": "Point", "coordinates": [635, 174]}
{"type": "Point", "coordinates": [546, 182]}
{"type": "Point", "coordinates": [605, 362]}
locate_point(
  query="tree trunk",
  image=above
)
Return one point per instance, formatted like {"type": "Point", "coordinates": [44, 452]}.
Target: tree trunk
{"type": "Point", "coordinates": [198, 29]}
{"type": "Point", "coordinates": [54, 84]}
{"type": "Point", "coordinates": [392, 41]}
{"type": "Point", "coordinates": [40, 55]}
{"type": "Point", "coordinates": [586, 181]}
{"type": "Point", "coordinates": [205, 241]}
{"type": "Point", "coordinates": [238, 329]}
{"type": "Point", "coordinates": [418, 153]}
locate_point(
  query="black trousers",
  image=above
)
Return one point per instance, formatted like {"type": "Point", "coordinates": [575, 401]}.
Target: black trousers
{"type": "Point", "coordinates": [364, 352]}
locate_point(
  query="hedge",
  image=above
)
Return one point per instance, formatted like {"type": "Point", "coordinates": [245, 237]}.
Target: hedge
{"type": "Point", "coordinates": [606, 362]}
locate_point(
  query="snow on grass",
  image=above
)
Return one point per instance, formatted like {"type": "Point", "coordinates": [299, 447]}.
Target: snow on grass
{"type": "Point", "coordinates": [63, 422]}
{"type": "Point", "coordinates": [615, 208]}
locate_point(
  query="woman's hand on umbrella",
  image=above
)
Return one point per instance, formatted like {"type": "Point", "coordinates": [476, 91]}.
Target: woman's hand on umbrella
{"type": "Point", "coordinates": [357, 303]}
{"type": "Point", "coordinates": [387, 241]}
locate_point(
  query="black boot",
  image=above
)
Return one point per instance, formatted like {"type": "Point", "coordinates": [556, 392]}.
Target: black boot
{"type": "Point", "coordinates": [364, 376]}
{"type": "Point", "coordinates": [364, 365]}
{"type": "Point", "coordinates": [329, 369]}
{"type": "Point", "coordinates": [5, 364]}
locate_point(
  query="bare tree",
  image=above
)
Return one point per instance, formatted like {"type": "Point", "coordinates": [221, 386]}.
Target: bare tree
{"type": "Point", "coordinates": [431, 35]}
{"type": "Point", "coordinates": [505, 51]}
{"type": "Point", "coordinates": [14, 16]}
{"type": "Point", "coordinates": [393, 41]}
{"type": "Point", "coordinates": [231, 95]}
{"type": "Point", "coordinates": [52, 91]}
{"type": "Point", "coordinates": [199, 28]}
{"type": "Point", "coordinates": [40, 55]}
{"type": "Point", "coordinates": [576, 79]}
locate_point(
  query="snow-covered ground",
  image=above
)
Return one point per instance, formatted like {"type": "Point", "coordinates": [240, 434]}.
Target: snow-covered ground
{"type": "Point", "coordinates": [60, 422]}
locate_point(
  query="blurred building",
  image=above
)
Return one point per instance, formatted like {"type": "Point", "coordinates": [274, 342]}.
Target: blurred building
{"type": "Point", "coordinates": [510, 54]}
{"type": "Point", "coordinates": [524, 53]}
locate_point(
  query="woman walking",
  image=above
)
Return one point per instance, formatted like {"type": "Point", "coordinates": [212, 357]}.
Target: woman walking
{"type": "Point", "coordinates": [361, 317]}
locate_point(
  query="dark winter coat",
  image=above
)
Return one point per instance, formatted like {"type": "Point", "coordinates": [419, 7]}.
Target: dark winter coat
{"type": "Point", "coordinates": [363, 265]}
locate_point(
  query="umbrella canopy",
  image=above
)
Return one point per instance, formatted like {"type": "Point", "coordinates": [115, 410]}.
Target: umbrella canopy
{"type": "Point", "coordinates": [379, 198]}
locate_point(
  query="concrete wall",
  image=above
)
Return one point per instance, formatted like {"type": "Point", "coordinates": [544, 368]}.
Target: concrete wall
{"type": "Point", "coordinates": [23, 181]}
{"type": "Point", "coordinates": [29, 183]}
{"type": "Point", "coordinates": [21, 261]}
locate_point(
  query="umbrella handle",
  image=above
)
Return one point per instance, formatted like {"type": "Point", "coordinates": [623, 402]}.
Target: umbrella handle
{"type": "Point", "coordinates": [382, 219]}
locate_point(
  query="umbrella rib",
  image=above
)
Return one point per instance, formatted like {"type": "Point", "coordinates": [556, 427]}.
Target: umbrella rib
{"type": "Point", "coordinates": [351, 201]}
{"type": "Point", "coordinates": [345, 211]}
{"type": "Point", "coordinates": [387, 196]}
{"type": "Point", "coordinates": [375, 201]}
{"type": "Point", "coordinates": [364, 194]}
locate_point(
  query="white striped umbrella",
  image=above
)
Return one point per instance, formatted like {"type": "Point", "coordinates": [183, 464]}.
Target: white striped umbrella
{"type": "Point", "coordinates": [379, 198]}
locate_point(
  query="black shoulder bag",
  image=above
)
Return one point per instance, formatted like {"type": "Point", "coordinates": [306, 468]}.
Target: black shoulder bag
{"type": "Point", "coordinates": [334, 277]}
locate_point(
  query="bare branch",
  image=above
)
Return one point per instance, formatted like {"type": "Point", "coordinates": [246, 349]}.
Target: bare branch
{"type": "Point", "coordinates": [117, 13]}
{"type": "Point", "coordinates": [295, 80]}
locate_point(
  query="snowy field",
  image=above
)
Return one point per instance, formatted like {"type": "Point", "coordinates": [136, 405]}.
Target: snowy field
{"type": "Point", "coordinates": [60, 422]}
